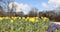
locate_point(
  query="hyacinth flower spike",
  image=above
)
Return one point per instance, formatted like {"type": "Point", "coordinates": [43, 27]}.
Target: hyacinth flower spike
{"type": "Point", "coordinates": [54, 28]}
{"type": "Point", "coordinates": [49, 28]}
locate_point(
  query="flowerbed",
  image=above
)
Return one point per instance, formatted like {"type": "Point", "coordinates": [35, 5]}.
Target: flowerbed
{"type": "Point", "coordinates": [22, 24]}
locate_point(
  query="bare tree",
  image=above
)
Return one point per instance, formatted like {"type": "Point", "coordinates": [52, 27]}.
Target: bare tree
{"type": "Point", "coordinates": [6, 3]}
{"type": "Point", "coordinates": [33, 12]}
{"type": "Point", "coordinates": [1, 11]}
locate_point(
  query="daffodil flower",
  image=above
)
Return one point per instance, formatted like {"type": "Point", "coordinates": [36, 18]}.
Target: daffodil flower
{"type": "Point", "coordinates": [12, 21]}
{"type": "Point", "coordinates": [1, 18]}
{"type": "Point", "coordinates": [36, 20]}
{"type": "Point", "coordinates": [32, 19]}
{"type": "Point", "coordinates": [7, 18]}
{"type": "Point", "coordinates": [23, 17]}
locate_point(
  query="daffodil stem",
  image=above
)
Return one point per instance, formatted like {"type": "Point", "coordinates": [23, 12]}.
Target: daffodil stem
{"type": "Point", "coordinates": [11, 27]}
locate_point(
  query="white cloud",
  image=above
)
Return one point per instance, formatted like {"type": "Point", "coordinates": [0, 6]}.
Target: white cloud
{"type": "Point", "coordinates": [44, 4]}
{"type": "Point", "coordinates": [52, 3]}
{"type": "Point", "coordinates": [56, 3]}
{"type": "Point", "coordinates": [19, 7]}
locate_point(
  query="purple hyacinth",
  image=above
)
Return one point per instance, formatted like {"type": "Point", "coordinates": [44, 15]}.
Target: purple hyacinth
{"type": "Point", "coordinates": [54, 27]}
{"type": "Point", "coordinates": [57, 26]}
{"type": "Point", "coordinates": [49, 28]}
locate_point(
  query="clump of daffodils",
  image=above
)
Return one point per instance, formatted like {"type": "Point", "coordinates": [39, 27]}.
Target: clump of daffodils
{"type": "Point", "coordinates": [14, 18]}
{"type": "Point", "coordinates": [7, 17]}
{"type": "Point", "coordinates": [36, 19]}
{"type": "Point", "coordinates": [45, 18]}
{"type": "Point", "coordinates": [23, 17]}
{"type": "Point", "coordinates": [32, 19]}
{"type": "Point", "coordinates": [27, 18]}
{"type": "Point", "coordinates": [1, 18]}
{"type": "Point", "coordinates": [19, 17]}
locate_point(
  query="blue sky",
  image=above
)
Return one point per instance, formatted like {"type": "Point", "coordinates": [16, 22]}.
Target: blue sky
{"type": "Point", "coordinates": [34, 3]}
{"type": "Point", "coordinates": [39, 4]}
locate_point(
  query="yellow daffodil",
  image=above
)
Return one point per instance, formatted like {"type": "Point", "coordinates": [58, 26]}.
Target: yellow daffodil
{"type": "Point", "coordinates": [42, 17]}
{"type": "Point", "coordinates": [32, 19]}
{"type": "Point", "coordinates": [19, 17]}
{"type": "Point", "coordinates": [36, 17]}
{"type": "Point", "coordinates": [7, 18]}
{"type": "Point", "coordinates": [27, 17]}
{"type": "Point", "coordinates": [45, 18]}
{"type": "Point", "coordinates": [14, 18]}
{"type": "Point", "coordinates": [36, 20]}
{"type": "Point", "coordinates": [23, 17]}
{"type": "Point", "coordinates": [12, 21]}
{"type": "Point", "coordinates": [1, 18]}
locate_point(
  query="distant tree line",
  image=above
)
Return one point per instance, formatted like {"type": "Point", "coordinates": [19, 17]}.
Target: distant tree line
{"type": "Point", "coordinates": [50, 14]}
